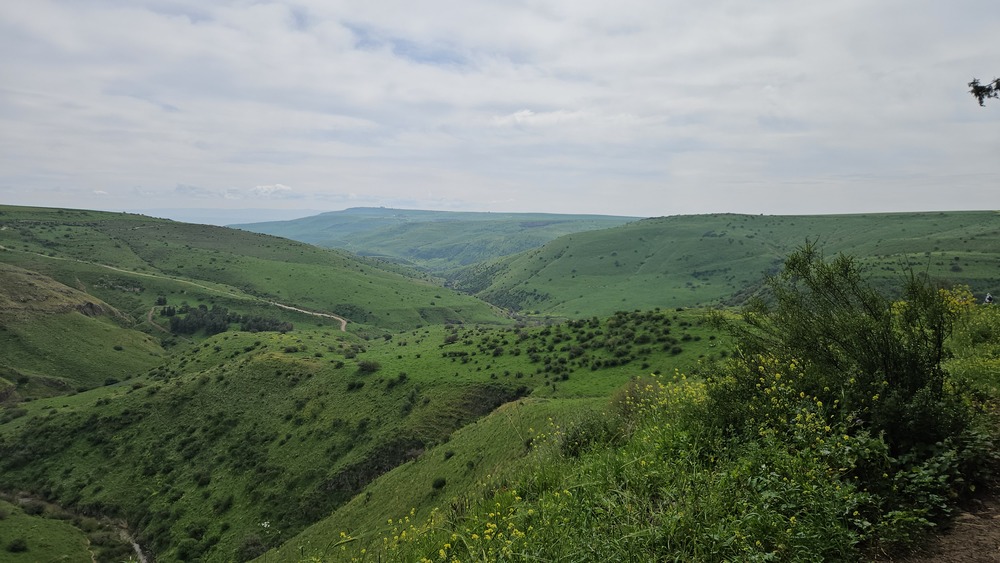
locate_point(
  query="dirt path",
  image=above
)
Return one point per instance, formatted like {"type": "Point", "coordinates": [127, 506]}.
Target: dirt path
{"type": "Point", "coordinates": [343, 321]}
{"type": "Point", "coordinates": [149, 317]}
{"type": "Point", "coordinates": [973, 537]}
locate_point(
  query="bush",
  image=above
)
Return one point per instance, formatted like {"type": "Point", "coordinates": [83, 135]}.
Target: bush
{"type": "Point", "coordinates": [34, 508]}
{"type": "Point", "coordinates": [439, 483]}
{"type": "Point", "coordinates": [367, 367]}
{"type": "Point", "coordinates": [874, 360]}
{"type": "Point", "coordinates": [17, 545]}
{"type": "Point", "coordinates": [827, 351]}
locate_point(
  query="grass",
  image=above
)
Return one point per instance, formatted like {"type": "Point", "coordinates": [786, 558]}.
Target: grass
{"type": "Point", "coordinates": [241, 428]}
{"type": "Point", "coordinates": [43, 539]}
{"type": "Point", "coordinates": [472, 457]}
{"type": "Point", "coordinates": [652, 477]}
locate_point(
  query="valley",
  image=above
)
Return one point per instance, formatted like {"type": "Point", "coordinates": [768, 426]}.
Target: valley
{"type": "Point", "coordinates": [232, 395]}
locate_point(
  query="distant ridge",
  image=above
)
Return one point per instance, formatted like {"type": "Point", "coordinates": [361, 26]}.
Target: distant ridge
{"type": "Point", "coordinates": [223, 217]}
{"type": "Point", "coordinates": [436, 241]}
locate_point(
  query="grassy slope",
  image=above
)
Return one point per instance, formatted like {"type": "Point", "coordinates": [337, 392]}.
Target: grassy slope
{"type": "Point", "coordinates": [712, 259]}
{"type": "Point", "coordinates": [249, 428]}
{"type": "Point", "coordinates": [433, 240]}
{"type": "Point", "coordinates": [668, 492]}
{"type": "Point", "coordinates": [46, 539]}
{"type": "Point", "coordinates": [496, 444]}
{"type": "Point", "coordinates": [150, 257]}
{"type": "Point", "coordinates": [56, 339]}
{"type": "Point", "coordinates": [474, 456]}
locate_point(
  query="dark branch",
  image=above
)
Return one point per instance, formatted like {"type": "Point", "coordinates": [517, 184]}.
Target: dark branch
{"type": "Point", "coordinates": [984, 91]}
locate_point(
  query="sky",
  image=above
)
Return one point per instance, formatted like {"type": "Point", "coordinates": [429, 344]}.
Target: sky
{"type": "Point", "coordinates": [633, 107]}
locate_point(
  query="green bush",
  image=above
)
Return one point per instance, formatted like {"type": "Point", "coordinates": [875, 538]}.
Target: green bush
{"type": "Point", "coordinates": [17, 545]}
{"type": "Point", "coordinates": [875, 361]}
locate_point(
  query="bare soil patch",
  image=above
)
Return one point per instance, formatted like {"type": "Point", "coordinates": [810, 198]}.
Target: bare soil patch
{"type": "Point", "coordinates": [974, 536]}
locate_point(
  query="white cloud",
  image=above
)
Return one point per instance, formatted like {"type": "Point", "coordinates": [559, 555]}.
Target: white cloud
{"type": "Point", "coordinates": [270, 190]}
{"type": "Point", "coordinates": [549, 105]}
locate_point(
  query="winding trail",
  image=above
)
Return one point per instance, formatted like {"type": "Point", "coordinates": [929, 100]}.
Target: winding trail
{"type": "Point", "coordinates": [342, 320]}
{"type": "Point", "coordinates": [149, 317]}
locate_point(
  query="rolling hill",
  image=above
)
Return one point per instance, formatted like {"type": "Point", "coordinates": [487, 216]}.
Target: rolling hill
{"type": "Point", "coordinates": [130, 260]}
{"type": "Point", "coordinates": [177, 378]}
{"type": "Point", "coordinates": [714, 260]}
{"type": "Point", "coordinates": [434, 241]}
{"type": "Point", "coordinates": [56, 339]}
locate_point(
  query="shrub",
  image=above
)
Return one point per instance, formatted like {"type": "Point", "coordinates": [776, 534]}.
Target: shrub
{"type": "Point", "coordinates": [875, 360]}
{"type": "Point", "coordinates": [17, 545]}
{"type": "Point", "coordinates": [826, 348]}
{"type": "Point", "coordinates": [439, 483]}
{"type": "Point", "coordinates": [34, 508]}
{"type": "Point", "coordinates": [368, 366]}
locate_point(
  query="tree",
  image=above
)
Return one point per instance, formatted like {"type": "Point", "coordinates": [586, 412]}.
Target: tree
{"type": "Point", "coordinates": [984, 91]}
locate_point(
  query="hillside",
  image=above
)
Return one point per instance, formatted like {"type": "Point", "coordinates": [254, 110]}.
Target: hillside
{"type": "Point", "coordinates": [246, 428]}
{"type": "Point", "coordinates": [130, 260]}
{"type": "Point", "coordinates": [711, 260]}
{"type": "Point", "coordinates": [435, 241]}
{"type": "Point", "coordinates": [56, 339]}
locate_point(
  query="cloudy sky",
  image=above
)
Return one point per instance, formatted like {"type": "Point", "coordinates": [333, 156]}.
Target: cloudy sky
{"type": "Point", "coordinates": [632, 107]}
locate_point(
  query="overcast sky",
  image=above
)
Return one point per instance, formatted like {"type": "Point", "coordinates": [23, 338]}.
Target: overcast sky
{"type": "Point", "coordinates": [632, 107]}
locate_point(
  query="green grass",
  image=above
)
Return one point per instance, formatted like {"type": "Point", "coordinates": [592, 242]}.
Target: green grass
{"type": "Point", "coordinates": [473, 456]}
{"type": "Point", "coordinates": [319, 431]}
{"type": "Point", "coordinates": [651, 476]}
{"type": "Point", "coordinates": [57, 339]}
{"type": "Point", "coordinates": [45, 539]}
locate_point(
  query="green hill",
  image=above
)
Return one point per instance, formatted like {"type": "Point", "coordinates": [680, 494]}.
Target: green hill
{"type": "Point", "coordinates": [56, 339]}
{"type": "Point", "coordinates": [130, 260]}
{"type": "Point", "coordinates": [436, 241]}
{"type": "Point", "coordinates": [709, 260]}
